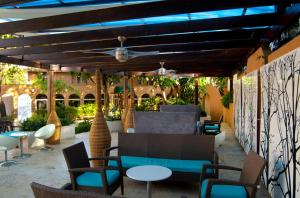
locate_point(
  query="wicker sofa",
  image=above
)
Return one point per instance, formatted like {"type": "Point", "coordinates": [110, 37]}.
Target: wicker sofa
{"type": "Point", "coordinates": [183, 154]}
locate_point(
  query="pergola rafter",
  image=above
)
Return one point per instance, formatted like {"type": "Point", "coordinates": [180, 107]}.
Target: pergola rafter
{"type": "Point", "coordinates": [215, 46]}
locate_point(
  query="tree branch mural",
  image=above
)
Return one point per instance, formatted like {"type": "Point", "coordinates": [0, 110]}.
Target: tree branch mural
{"type": "Point", "coordinates": [245, 100]}
{"type": "Point", "coordinates": [279, 143]}
{"type": "Point", "coordinates": [250, 112]}
{"type": "Point", "coordinates": [237, 106]}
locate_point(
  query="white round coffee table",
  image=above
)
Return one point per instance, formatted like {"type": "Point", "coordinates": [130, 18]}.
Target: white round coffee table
{"type": "Point", "coordinates": [148, 173]}
{"type": "Point", "coordinates": [21, 135]}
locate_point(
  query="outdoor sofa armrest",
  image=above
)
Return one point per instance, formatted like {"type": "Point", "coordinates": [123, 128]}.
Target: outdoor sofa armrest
{"type": "Point", "coordinates": [211, 122]}
{"type": "Point", "coordinates": [107, 158]}
{"type": "Point", "coordinates": [216, 168]}
{"type": "Point", "coordinates": [107, 151]}
{"type": "Point", "coordinates": [212, 182]}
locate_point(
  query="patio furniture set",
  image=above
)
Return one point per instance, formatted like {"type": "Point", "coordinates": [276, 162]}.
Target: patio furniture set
{"type": "Point", "coordinates": [155, 157]}
{"type": "Point", "coordinates": [12, 139]}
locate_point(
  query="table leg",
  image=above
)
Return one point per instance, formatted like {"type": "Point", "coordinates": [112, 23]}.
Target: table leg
{"type": "Point", "coordinates": [149, 189]}
{"type": "Point", "coordinates": [21, 147]}
{"type": "Point", "coordinates": [22, 155]}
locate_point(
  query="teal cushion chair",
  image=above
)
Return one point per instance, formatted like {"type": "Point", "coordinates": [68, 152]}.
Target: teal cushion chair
{"type": "Point", "coordinates": [211, 127]}
{"type": "Point", "coordinates": [83, 177]}
{"type": "Point", "coordinates": [245, 187]}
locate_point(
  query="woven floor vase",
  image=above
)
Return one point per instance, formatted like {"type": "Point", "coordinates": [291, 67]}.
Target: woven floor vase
{"type": "Point", "coordinates": [123, 117]}
{"type": "Point", "coordinates": [99, 136]}
{"type": "Point", "coordinates": [129, 119]}
{"type": "Point", "coordinates": [53, 119]}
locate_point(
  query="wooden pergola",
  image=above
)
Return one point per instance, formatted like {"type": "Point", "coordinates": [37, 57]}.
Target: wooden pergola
{"type": "Point", "coordinates": [211, 46]}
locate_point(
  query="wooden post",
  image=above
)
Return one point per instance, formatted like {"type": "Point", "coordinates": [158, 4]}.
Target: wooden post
{"type": "Point", "coordinates": [196, 102]}
{"type": "Point", "coordinates": [99, 136]}
{"type": "Point", "coordinates": [125, 100]}
{"type": "Point", "coordinates": [129, 117]}
{"type": "Point", "coordinates": [106, 95]}
{"type": "Point", "coordinates": [52, 116]}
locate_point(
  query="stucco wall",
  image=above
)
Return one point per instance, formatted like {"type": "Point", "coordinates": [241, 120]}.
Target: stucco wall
{"type": "Point", "coordinates": [213, 105]}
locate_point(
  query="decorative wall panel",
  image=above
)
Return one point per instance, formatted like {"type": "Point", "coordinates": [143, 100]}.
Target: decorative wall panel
{"type": "Point", "coordinates": [249, 112]}
{"type": "Point", "coordinates": [280, 125]}
{"type": "Point", "coordinates": [237, 106]}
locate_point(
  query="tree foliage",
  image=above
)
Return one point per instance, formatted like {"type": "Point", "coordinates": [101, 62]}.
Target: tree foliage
{"type": "Point", "coordinates": [59, 85]}
{"type": "Point", "coordinates": [11, 74]}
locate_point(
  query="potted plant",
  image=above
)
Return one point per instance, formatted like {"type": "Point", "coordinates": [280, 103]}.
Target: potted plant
{"type": "Point", "coordinates": [113, 119]}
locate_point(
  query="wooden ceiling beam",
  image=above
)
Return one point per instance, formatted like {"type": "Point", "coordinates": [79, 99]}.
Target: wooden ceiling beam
{"type": "Point", "coordinates": [15, 61]}
{"type": "Point", "coordinates": [13, 2]}
{"type": "Point", "coordinates": [155, 58]}
{"type": "Point", "coordinates": [131, 11]}
{"type": "Point", "coordinates": [74, 55]}
{"type": "Point", "coordinates": [103, 46]}
{"type": "Point", "coordinates": [233, 23]}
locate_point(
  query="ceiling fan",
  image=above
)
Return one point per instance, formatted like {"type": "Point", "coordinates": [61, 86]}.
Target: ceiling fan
{"type": "Point", "coordinates": [162, 71]}
{"type": "Point", "coordinates": [122, 54]}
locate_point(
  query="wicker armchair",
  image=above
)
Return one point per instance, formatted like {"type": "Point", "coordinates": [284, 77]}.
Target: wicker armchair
{"type": "Point", "coordinates": [211, 127]}
{"type": "Point", "coordinates": [104, 179]}
{"type": "Point", "coordinates": [245, 187]}
{"type": "Point", "coordinates": [41, 191]}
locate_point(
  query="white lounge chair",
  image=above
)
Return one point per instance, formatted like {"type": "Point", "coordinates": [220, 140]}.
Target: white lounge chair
{"type": "Point", "coordinates": [7, 143]}
{"type": "Point", "coordinates": [45, 133]}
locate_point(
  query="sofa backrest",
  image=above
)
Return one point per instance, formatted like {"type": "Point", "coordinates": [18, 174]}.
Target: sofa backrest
{"type": "Point", "coordinates": [181, 108]}
{"type": "Point", "coordinates": [165, 122]}
{"type": "Point", "coordinates": [172, 146]}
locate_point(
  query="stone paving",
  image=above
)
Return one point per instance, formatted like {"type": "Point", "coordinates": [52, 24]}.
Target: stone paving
{"type": "Point", "coordinates": [49, 168]}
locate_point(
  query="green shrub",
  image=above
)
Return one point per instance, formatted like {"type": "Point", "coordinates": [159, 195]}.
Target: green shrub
{"type": "Point", "coordinates": [84, 126]}
{"type": "Point", "coordinates": [34, 123]}
{"type": "Point", "coordinates": [226, 99]}
{"type": "Point", "coordinates": [150, 104]}
{"type": "Point", "coordinates": [87, 110]}
{"type": "Point", "coordinates": [176, 101]}
{"type": "Point", "coordinates": [66, 114]}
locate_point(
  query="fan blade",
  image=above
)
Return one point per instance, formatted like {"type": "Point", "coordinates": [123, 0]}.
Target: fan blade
{"type": "Point", "coordinates": [134, 54]}
{"type": "Point", "coordinates": [110, 52]}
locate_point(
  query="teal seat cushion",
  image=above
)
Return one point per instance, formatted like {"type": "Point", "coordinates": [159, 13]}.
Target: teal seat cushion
{"type": "Point", "coordinates": [224, 191]}
{"type": "Point", "coordinates": [211, 127]}
{"type": "Point", "coordinates": [192, 166]}
{"type": "Point", "coordinates": [93, 179]}
{"type": "Point", "coordinates": [8, 134]}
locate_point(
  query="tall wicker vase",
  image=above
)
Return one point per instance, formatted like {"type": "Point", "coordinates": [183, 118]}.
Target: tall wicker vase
{"type": "Point", "coordinates": [123, 117]}
{"type": "Point", "coordinates": [129, 118]}
{"type": "Point", "coordinates": [53, 118]}
{"type": "Point", "coordinates": [99, 136]}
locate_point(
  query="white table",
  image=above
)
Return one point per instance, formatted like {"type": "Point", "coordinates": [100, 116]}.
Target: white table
{"type": "Point", "coordinates": [21, 135]}
{"type": "Point", "coordinates": [149, 173]}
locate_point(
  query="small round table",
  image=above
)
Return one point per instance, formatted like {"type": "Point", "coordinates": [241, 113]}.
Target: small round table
{"type": "Point", "coordinates": [149, 173]}
{"type": "Point", "coordinates": [21, 135]}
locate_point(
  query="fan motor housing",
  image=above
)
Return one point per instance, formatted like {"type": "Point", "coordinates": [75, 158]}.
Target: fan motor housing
{"type": "Point", "coordinates": [121, 54]}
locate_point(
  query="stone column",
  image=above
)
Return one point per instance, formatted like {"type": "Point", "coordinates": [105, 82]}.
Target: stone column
{"type": "Point", "coordinates": [129, 116]}
{"type": "Point", "coordinates": [99, 136]}
{"type": "Point", "coordinates": [52, 116]}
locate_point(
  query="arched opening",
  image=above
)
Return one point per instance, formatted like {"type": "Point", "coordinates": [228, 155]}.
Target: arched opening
{"type": "Point", "coordinates": [59, 100]}
{"type": "Point", "coordinates": [74, 100]}
{"type": "Point", "coordinates": [41, 102]}
{"type": "Point", "coordinates": [159, 95]}
{"type": "Point", "coordinates": [89, 99]}
{"type": "Point", "coordinates": [145, 96]}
